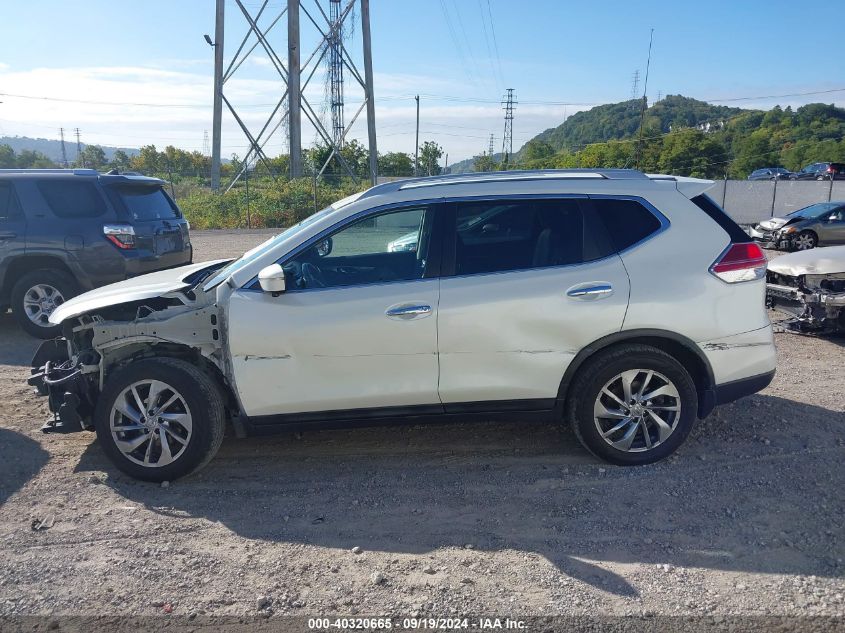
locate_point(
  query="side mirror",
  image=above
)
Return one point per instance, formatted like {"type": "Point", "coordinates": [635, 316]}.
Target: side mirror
{"type": "Point", "coordinates": [272, 279]}
{"type": "Point", "coordinates": [833, 217]}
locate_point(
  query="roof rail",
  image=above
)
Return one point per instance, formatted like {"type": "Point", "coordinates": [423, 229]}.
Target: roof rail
{"type": "Point", "coordinates": [506, 176]}
{"type": "Point", "coordinates": [75, 171]}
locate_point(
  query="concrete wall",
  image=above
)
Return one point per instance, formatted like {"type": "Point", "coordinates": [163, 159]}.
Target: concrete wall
{"type": "Point", "coordinates": [749, 201]}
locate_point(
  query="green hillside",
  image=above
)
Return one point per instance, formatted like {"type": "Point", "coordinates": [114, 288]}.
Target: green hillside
{"type": "Point", "coordinates": [685, 137]}
{"type": "Point", "coordinates": [615, 121]}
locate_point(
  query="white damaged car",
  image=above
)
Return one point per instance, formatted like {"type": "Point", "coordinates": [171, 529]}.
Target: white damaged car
{"type": "Point", "coordinates": [627, 305]}
{"type": "Point", "coordinates": [809, 287]}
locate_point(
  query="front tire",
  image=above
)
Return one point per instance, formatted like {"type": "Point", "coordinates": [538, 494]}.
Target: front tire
{"type": "Point", "coordinates": [36, 295]}
{"type": "Point", "coordinates": [632, 404]}
{"type": "Point", "coordinates": [160, 419]}
{"type": "Point", "coordinates": [805, 241]}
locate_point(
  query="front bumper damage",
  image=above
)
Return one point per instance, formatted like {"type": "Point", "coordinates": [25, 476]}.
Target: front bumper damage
{"type": "Point", "coordinates": [811, 309]}
{"type": "Point", "coordinates": [70, 393]}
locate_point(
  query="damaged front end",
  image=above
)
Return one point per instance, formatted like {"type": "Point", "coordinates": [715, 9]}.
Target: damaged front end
{"type": "Point", "coordinates": [65, 381]}
{"type": "Point", "coordinates": [72, 370]}
{"type": "Point", "coordinates": [814, 303]}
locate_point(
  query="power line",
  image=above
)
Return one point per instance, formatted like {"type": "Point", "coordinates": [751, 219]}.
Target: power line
{"type": "Point", "coordinates": [495, 43]}
{"type": "Point", "coordinates": [455, 41]}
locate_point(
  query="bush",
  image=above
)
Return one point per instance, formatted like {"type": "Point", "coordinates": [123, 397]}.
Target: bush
{"type": "Point", "coordinates": [272, 204]}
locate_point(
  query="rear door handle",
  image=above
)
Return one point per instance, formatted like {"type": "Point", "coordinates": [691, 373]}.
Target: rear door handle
{"type": "Point", "coordinates": [593, 291]}
{"type": "Point", "coordinates": [407, 312]}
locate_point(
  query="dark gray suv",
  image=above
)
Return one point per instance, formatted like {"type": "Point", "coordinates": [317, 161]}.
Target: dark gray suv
{"type": "Point", "coordinates": [67, 231]}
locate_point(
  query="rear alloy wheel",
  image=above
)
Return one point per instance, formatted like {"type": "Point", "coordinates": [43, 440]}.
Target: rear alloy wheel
{"type": "Point", "coordinates": [637, 410]}
{"type": "Point", "coordinates": [36, 295]}
{"type": "Point", "coordinates": [804, 241]}
{"type": "Point", "coordinates": [160, 419]}
{"type": "Point", "coordinates": [632, 404]}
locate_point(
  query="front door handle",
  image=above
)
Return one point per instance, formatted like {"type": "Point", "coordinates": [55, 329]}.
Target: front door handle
{"type": "Point", "coordinates": [592, 291]}
{"type": "Point", "coordinates": [407, 312]}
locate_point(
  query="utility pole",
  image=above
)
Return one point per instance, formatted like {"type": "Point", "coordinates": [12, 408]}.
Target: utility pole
{"type": "Point", "coordinates": [79, 158]}
{"type": "Point", "coordinates": [218, 94]}
{"type": "Point", "coordinates": [417, 142]}
{"type": "Point", "coordinates": [64, 152]}
{"type": "Point", "coordinates": [645, 93]}
{"type": "Point", "coordinates": [507, 140]}
{"type": "Point", "coordinates": [368, 89]}
{"type": "Point", "coordinates": [294, 94]}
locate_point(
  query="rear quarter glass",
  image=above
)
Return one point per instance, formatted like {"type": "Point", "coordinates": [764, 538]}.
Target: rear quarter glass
{"type": "Point", "coordinates": [715, 212]}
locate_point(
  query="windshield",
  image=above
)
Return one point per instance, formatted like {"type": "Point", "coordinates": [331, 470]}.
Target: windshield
{"type": "Point", "coordinates": [258, 251]}
{"type": "Point", "coordinates": [814, 210]}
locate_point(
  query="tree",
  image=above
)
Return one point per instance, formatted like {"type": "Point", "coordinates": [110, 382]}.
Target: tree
{"type": "Point", "coordinates": [7, 157]}
{"type": "Point", "coordinates": [120, 160]}
{"type": "Point", "coordinates": [430, 155]}
{"type": "Point", "coordinates": [395, 164]}
{"type": "Point", "coordinates": [536, 149]}
{"type": "Point", "coordinates": [692, 153]}
{"type": "Point", "coordinates": [92, 157]}
{"type": "Point", "coordinates": [485, 162]}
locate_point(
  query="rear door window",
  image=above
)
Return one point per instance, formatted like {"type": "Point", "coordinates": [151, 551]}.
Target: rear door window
{"type": "Point", "coordinates": [504, 235]}
{"type": "Point", "coordinates": [72, 198]}
{"type": "Point", "coordinates": [145, 203]}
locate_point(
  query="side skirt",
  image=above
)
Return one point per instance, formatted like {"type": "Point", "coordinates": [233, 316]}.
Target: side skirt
{"type": "Point", "coordinates": [535, 410]}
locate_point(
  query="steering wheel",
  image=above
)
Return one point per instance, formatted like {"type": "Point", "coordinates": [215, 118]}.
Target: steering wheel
{"type": "Point", "coordinates": [313, 276]}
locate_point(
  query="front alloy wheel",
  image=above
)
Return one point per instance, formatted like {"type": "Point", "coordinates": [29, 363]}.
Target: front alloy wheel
{"type": "Point", "coordinates": [804, 241]}
{"type": "Point", "coordinates": [151, 423]}
{"type": "Point", "coordinates": [159, 419]}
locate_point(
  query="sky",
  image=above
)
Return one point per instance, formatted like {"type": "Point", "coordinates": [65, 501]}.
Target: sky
{"type": "Point", "coordinates": [136, 73]}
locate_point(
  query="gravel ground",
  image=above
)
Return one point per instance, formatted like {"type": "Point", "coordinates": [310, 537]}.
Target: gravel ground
{"type": "Point", "coordinates": [746, 519]}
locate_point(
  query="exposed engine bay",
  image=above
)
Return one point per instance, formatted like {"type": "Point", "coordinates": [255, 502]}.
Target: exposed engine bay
{"type": "Point", "coordinates": [71, 370]}
{"type": "Point", "coordinates": [809, 287]}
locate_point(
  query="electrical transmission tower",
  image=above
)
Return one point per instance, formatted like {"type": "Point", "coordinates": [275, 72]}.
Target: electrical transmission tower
{"type": "Point", "coordinates": [490, 147]}
{"type": "Point", "coordinates": [64, 151]}
{"type": "Point", "coordinates": [335, 43]}
{"type": "Point", "coordinates": [635, 85]}
{"type": "Point", "coordinates": [295, 72]}
{"type": "Point", "coordinates": [508, 105]}
{"type": "Point", "coordinates": [79, 157]}
{"type": "Point", "coordinates": [205, 146]}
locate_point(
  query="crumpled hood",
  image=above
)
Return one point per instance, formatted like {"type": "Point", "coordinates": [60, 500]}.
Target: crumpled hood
{"type": "Point", "coordinates": [826, 260]}
{"type": "Point", "coordinates": [773, 223]}
{"type": "Point", "coordinates": [134, 289]}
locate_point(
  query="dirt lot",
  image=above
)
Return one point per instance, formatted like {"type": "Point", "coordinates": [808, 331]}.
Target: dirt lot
{"type": "Point", "coordinates": [747, 518]}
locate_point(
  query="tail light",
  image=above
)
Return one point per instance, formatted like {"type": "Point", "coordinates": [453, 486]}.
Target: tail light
{"type": "Point", "coordinates": [740, 262]}
{"type": "Point", "coordinates": [831, 169]}
{"type": "Point", "coordinates": [121, 235]}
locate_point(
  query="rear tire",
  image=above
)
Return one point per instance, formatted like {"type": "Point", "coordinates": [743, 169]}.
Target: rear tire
{"type": "Point", "coordinates": [36, 295]}
{"type": "Point", "coordinates": [182, 409]}
{"type": "Point", "coordinates": [604, 425]}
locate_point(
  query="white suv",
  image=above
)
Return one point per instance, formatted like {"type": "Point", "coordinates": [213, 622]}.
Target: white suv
{"type": "Point", "coordinates": [626, 304]}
